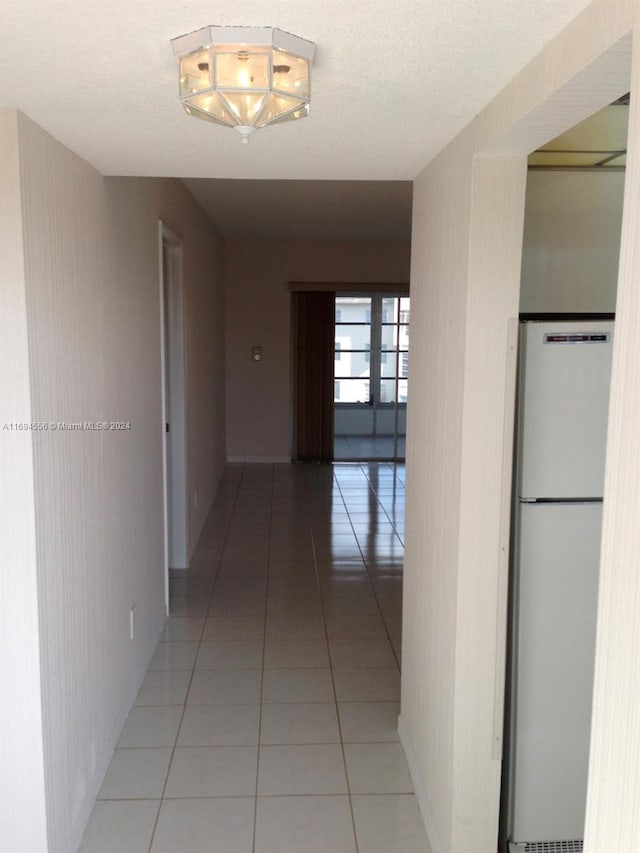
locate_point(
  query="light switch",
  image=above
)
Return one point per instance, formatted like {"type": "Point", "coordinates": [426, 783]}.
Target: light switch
{"type": "Point", "coordinates": [256, 353]}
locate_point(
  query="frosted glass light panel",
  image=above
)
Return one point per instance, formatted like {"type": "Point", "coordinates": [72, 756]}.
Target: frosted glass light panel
{"type": "Point", "coordinates": [210, 108]}
{"type": "Point", "coordinates": [290, 74]}
{"type": "Point", "coordinates": [240, 69]}
{"type": "Point", "coordinates": [244, 77]}
{"type": "Point", "coordinates": [196, 73]}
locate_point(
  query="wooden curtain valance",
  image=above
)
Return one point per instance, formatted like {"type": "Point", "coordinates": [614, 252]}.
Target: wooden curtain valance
{"type": "Point", "coordinates": [349, 287]}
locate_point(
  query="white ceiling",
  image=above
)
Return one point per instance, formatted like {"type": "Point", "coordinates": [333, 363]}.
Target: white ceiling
{"type": "Point", "coordinates": [392, 83]}
{"type": "Point", "coordinates": [319, 210]}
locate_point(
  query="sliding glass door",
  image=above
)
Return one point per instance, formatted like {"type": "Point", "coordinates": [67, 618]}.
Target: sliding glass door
{"type": "Point", "coordinates": [371, 360]}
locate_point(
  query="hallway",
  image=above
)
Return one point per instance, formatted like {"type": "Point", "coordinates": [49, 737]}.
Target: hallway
{"type": "Point", "coordinates": [267, 722]}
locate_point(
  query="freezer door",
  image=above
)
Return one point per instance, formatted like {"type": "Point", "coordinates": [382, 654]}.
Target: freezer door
{"type": "Point", "coordinates": [556, 577]}
{"type": "Point", "coordinates": [563, 408]}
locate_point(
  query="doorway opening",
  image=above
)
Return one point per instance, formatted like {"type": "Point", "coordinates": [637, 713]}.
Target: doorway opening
{"type": "Point", "coordinates": [173, 397]}
{"type": "Point", "coordinates": [371, 369]}
{"type": "Point", "coordinates": [572, 229]}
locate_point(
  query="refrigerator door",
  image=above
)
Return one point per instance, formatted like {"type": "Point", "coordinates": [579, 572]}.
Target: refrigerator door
{"type": "Point", "coordinates": [564, 406]}
{"type": "Point", "coordinates": [554, 633]}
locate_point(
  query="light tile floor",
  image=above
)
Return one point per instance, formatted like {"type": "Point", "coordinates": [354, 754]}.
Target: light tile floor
{"type": "Point", "coordinates": [267, 722]}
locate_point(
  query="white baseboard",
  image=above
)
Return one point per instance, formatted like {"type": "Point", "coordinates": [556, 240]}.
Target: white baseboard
{"type": "Point", "coordinates": [418, 786]}
{"type": "Point", "coordinates": [258, 460]}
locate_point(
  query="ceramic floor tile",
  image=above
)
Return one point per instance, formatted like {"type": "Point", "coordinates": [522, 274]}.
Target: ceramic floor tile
{"type": "Point", "coordinates": [230, 654]}
{"type": "Point", "coordinates": [225, 687]}
{"type": "Point", "coordinates": [317, 769]}
{"type": "Point", "coordinates": [377, 768]}
{"type": "Point", "coordinates": [394, 625]}
{"type": "Point", "coordinates": [295, 627]}
{"type": "Point", "coordinates": [238, 605]}
{"type": "Point", "coordinates": [199, 584]}
{"type": "Point", "coordinates": [239, 568]}
{"type": "Point", "coordinates": [151, 727]}
{"type": "Point", "coordinates": [299, 723]}
{"type": "Point", "coordinates": [279, 586]}
{"type": "Point", "coordinates": [256, 575]}
{"type": "Point", "coordinates": [300, 550]}
{"type": "Point", "coordinates": [369, 722]}
{"type": "Point", "coordinates": [220, 725]}
{"type": "Point", "coordinates": [125, 826]}
{"type": "Point", "coordinates": [297, 685]}
{"type": "Point", "coordinates": [296, 605]}
{"type": "Point", "coordinates": [288, 654]}
{"type": "Point", "coordinates": [389, 824]}
{"type": "Point", "coordinates": [367, 685]}
{"type": "Point", "coordinates": [136, 774]}
{"type": "Point", "coordinates": [340, 584]}
{"type": "Point", "coordinates": [212, 825]}
{"type": "Point", "coordinates": [336, 608]}
{"type": "Point", "coordinates": [164, 687]}
{"type": "Point", "coordinates": [356, 596]}
{"type": "Point", "coordinates": [188, 606]}
{"type": "Point", "coordinates": [361, 654]}
{"type": "Point", "coordinates": [304, 825]}
{"type": "Point", "coordinates": [230, 586]}
{"type": "Point", "coordinates": [290, 568]}
{"type": "Point", "coordinates": [234, 628]}
{"type": "Point", "coordinates": [247, 544]}
{"type": "Point", "coordinates": [216, 771]}
{"type": "Point", "coordinates": [174, 656]}
{"type": "Point", "coordinates": [181, 628]}
{"type": "Point", "coordinates": [356, 626]}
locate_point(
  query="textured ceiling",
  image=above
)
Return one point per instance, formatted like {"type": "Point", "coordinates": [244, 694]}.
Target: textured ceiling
{"type": "Point", "coordinates": [319, 210]}
{"type": "Point", "coordinates": [392, 82]}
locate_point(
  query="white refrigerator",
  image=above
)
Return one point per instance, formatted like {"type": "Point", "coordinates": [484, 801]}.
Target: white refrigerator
{"type": "Point", "coordinates": [562, 420]}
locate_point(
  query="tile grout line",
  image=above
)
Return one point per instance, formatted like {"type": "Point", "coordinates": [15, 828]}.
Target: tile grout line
{"type": "Point", "coordinates": [333, 682]}
{"type": "Point", "coordinates": [264, 649]}
{"type": "Point", "coordinates": [235, 544]}
{"type": "Point", "coordinates": [366, 566]}
{"type": "Point", "coordinates": [193, 669]}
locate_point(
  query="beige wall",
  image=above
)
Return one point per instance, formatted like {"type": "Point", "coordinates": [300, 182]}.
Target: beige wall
{"type": "Point", "coordinates": [257, 273]}
{"type": "Point", "coordinates": [465, 278]}
{"type": "Point", "coordinates": [571, 247]}
{"type": "Point", "coordinates": [92, 314]}
{"type": "Point", "coordinates": [140, 201]}
{"type": "Point", "coordinates": [22, 793]}
{"type": "Point", "coordinates": [612, 822]}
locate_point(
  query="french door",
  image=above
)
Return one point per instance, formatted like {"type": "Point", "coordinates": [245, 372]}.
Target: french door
{"type": "Point", "coordinates": [371, 361]}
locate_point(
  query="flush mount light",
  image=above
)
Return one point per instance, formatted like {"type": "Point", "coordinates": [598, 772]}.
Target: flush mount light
{"type": "Point", "coordinates": [244, 77]}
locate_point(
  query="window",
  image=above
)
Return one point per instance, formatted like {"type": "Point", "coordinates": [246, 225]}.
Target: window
{"type": "Point", "coordinates": [336, 390]}
{"type": "Point", "coordinates": [371, 344]}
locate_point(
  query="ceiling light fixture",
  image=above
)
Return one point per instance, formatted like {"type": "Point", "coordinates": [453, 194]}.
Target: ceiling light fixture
{"type": "Point", "coordinates": [244, 77]}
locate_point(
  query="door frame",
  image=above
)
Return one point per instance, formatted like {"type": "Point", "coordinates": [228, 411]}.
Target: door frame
{"type": "Point", "coordinates": [174, 442]}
